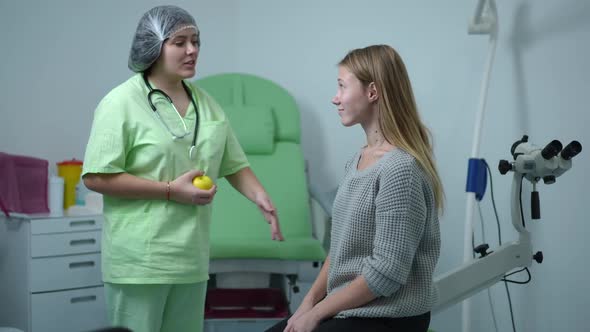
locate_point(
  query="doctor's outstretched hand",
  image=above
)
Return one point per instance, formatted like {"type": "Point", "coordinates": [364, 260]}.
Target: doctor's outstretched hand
{"type": "Point", "coordinates": [270, 214]}
{"type": "Point", "coordinates": [183, 191]}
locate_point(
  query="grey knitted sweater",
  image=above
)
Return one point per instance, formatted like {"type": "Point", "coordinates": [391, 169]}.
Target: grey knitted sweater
{"type": "Point", "coordinates": [385, 228]}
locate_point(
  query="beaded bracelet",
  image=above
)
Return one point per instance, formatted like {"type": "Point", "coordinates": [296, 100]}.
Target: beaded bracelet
{"type": "Point", "coordinates": [167, 190]}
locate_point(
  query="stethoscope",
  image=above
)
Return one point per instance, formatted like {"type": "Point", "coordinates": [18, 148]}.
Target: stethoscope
{"type": "Point", "coordinates": [153, 92]}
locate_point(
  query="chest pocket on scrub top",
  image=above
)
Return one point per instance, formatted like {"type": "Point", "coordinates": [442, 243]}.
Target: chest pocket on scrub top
{"type": "Point", "coordinates": [211, 146]}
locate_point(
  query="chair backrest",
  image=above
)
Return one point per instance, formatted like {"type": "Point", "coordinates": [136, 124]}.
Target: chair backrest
{"type": "Point", "coordinates": [266, 121]}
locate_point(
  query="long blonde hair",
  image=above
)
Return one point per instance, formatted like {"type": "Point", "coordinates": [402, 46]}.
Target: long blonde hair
{"type": "Point", "coordinates": [399, 120]}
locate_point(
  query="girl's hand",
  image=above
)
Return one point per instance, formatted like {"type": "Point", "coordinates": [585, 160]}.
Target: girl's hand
{"type": "Point", "coordinates": [304, 307]}
{"type": "Point", "coordinates": [304, 323]}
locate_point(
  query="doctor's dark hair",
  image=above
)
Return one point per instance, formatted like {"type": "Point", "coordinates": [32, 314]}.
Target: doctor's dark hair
{"type": "Point", "coordinates": [399, 120]}
{"type": "Point", "coordinates": [154, 28]}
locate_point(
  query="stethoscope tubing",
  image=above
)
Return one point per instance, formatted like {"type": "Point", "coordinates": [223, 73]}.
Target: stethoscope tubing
{"type": "Point", "coordinates": [189, 94]}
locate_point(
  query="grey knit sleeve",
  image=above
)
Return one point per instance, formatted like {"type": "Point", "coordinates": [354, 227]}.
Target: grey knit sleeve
{"type": "Point", "coordinates": [400, 219]}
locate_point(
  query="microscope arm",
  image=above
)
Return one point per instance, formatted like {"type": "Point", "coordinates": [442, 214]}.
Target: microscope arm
{"type": "Point", "coordinates": [474, 276]}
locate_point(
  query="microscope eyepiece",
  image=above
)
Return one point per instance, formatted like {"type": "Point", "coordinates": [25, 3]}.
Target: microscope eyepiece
{"type": "Point", "coordinates": [571, 150]}
{"type": "Point", "coordinates": [551, 150]}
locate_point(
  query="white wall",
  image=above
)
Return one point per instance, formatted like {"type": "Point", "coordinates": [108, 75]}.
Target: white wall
{"type": "Point", "coordinates": [59, 58]}
{"type": "Point", "coordinates": [57, 62]}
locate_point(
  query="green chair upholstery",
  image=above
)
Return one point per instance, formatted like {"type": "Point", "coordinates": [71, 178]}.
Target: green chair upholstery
{"type": "Point", "coordinates": [265, 119]}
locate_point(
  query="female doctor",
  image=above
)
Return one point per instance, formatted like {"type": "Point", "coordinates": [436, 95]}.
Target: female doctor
{"type": "Point", "coordinates": [150, 137]}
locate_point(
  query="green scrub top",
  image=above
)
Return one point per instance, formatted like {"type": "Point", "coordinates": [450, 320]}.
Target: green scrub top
{"type": "Point", "coordinates": [157, 241]}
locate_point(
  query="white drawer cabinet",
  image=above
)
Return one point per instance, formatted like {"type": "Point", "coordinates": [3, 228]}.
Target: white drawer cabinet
{"type": "Point", "coordinates": [50, 276]}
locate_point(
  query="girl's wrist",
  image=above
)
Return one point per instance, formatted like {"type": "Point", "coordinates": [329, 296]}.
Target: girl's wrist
{"type": "Point", "coordinates": [311, 299]}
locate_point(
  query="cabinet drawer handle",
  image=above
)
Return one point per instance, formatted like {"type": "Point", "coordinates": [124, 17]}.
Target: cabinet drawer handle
{"type": "Point", "coordinates": [82, 242]}
{"type": "Point", "coordinates": [83, 299]}
{"type": "Point", "coordinates": [81, 264]}
{"type": "Point", "coordinates": [82, 223]}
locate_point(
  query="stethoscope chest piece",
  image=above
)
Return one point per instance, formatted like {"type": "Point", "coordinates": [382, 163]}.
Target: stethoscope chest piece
{"type": "Point", "coordinates": [192, 152]}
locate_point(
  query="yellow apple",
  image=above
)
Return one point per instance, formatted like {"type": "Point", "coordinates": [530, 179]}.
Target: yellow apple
{"type": "Point", "coordinates": [203, 182]}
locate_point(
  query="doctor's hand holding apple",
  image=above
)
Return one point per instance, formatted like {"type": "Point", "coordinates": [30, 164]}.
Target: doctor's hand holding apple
{"type": "Point", "coordinates": [193, 187]}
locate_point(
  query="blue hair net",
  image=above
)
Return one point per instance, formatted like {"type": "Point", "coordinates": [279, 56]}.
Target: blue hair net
{"type": "Point", "coordinates": [154, 27]}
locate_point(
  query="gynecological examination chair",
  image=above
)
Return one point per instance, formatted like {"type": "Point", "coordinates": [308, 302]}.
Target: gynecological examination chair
{"type": "Point", "coordinates": [265, 119]}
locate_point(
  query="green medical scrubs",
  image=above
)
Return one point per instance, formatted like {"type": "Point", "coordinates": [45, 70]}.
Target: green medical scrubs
{"type": "Point", "coordinates": [157, 241]}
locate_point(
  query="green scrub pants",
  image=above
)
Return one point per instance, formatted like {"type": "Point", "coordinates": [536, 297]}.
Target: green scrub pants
{"type": "Point", "coordinates": [157, 307]}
